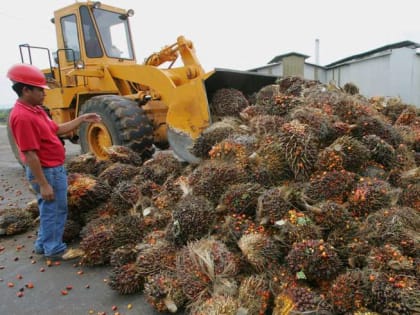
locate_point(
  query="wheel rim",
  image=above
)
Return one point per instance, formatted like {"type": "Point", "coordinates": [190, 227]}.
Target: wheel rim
{"type": "Point", "coordinates": [99, 138]}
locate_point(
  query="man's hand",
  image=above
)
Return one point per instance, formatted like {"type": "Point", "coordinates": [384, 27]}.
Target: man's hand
{"type": "Point", "coordinates": [47, 192]}
{"type": "Point", "coordinates": [90, 117]}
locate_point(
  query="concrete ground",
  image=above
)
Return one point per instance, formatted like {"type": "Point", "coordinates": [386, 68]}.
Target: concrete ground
{"type": "Point", "coordinates": [66, 288]}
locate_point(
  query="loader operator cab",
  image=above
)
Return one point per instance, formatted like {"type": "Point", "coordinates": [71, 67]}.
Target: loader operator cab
{"type": "Point", "coordinates": [103, 33]}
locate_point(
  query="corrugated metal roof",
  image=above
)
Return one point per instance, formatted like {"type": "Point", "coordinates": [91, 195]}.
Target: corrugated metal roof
{"type": "Point", "coordinates": [280, 57]}
{"type": "Point", "coordinates": [406, 43]}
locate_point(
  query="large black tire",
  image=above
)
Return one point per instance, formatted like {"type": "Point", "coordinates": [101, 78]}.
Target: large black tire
{"type": "Point", "coordinates": [12, 143]}
{"type": "Point", "coordinates": [123, 123]}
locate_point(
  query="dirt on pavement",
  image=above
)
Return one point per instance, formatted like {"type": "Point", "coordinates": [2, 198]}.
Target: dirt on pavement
{"type": "Point", "coordinates": [64, 288]}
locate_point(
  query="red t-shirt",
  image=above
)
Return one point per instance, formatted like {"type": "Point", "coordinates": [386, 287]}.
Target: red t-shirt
{"type": "Point", "coordinates": [33, 130]}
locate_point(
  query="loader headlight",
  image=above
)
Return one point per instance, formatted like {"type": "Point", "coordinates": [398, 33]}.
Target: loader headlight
{"type": "Point", "coordinates": [97, 4]}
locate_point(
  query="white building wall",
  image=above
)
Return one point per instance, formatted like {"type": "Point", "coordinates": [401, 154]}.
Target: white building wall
{"type": "Point", "coordinates": [415, 82]}
{"type": "Point", "coordinates": [312, 72]}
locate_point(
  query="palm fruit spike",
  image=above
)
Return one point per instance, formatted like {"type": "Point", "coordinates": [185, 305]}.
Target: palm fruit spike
{"type": "Point", "coordinates": [205, 267]}
{"type": "Point", "coordinates": [215, 133]}
{"type": "Point", "coordinates": [227, 102]}
{"type": "Point", "coordinates": [117, 173]}
{"type": "Point", "coordinates": [254, 294]}
{"type": "Point", "coordinates": [123, 255]}
{"type": "Point", "coordinates": [171, 192]}
{"type": "Point", "coordinates": [349, 292]}
{"type": "Point", "coordinates": [160, 167]}
{"type": "Point", "coordinates": [389, 258]}
{"type": "Point", "coordinates": [229, 150]}
{"type": "Point", "coordinates": [266, 96]}
{"type": "Point", "coordinates": [192, 219]}
{"type": "Point", "coordinates": [299, 300]}
{"type": "Point", "coordinates": [240, 199]}
{"type": "Point", "coordinates": [314, 260]}
{"type": "Point", "coordinates": [71, 231]}
{"type": "Point", "coordinates": [334, 185]}
{"type": "Point", "coordinates": [126, 279]}
{"type": "Point", "coordinates": [260, 250]}
{"type": "Point", "coordinates": [164, 292]}
{"type": "Point", "coordinates": [300, 148]}
{"type": "Point", "coordinates": [86, 163]}
{"type": "Point", "coordinates": [295, 85]}
{"type": "Point", "coordinates": [370, 195]}
{"type": "Point", "coordinates": [14, 221]}
{"type": "Point", "coordinates": [155, 257]}
{"type": "Point", "coordinates": [410, 197]}
{"type": "Point", "coordinates": [123, 154]}
{"type": "Point", "coordinates": [217, 305]}
{"type": "Point", "coordinates": [85, 192]}
{"type": "Point", "coordinates": [211, 177]}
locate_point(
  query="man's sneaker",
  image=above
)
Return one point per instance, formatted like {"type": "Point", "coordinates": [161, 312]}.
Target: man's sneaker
{"type": "Point", "coordinates": [68, 254]}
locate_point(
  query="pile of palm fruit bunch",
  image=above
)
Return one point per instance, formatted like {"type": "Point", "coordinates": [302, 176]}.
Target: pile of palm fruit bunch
{"type": "Point", "coordinates": [306, 200]}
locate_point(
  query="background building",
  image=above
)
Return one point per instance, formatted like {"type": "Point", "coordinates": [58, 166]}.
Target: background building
{"type": "Point", "coordinates": [392, 70]}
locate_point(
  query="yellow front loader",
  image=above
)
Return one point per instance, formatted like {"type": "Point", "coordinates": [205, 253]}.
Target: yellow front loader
{"type": "Point", "coordinates": [143, 106]}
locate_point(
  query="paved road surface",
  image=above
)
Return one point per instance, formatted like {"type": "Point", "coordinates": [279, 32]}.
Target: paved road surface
{"type": "Point", "coordinates": [89, 292]}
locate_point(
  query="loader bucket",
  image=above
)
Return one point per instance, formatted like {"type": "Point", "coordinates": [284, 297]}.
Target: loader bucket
{"type": "Point", "coordinates": [245, 81]}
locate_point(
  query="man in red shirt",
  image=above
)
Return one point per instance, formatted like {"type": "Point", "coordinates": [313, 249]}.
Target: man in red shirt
{"type": "Point", "coordinates": [43, 154]}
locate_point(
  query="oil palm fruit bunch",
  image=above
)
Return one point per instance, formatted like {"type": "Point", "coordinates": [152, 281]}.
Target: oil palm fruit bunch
{"type": "Point", "coordinates": [118, 172]}
{"type": "Point", "coordinates": [349, 292]}
{"type": "Point", "coordinates": [351, 88]}
{"type": "Point", "coordinates": [97, 247]}
{"type": "Point", "coordinates": [266, 124]}
{"type": "Point", "coordinates": [228, 102]}
{"type": "Point", "coordinates": [128, 229]}
{"type": "Point", "coordinates": [342, 235]}
{"type": "Point", "coordinates": [160, 167]}
{"type": "Point", "coordinates": [295, 85]}
{"type": "Point", "coordinates": [14, 221]}
{"type": "Point", "coordinates": [333, 185]}
{"type": "Point", "coordinates": [266, 96]}
{"type": "Point", "coordinates": [261, 251]}
{"type": "Point", "coordinates": [314, 260]}
{"type": "Point", "coordinates": [380, 150]}
{"type": "Point", "coordinates": [376, 125]}
{"type": "Point", "coordinates": [123, 255]}
{"type": "Point", "coordinates": [298, 299]}
{"type": "Point", "coordinates": [164, 292]}
{"type": "Point", "coordinates": [294, 227]}
{"type": "Point", "coordinates": [268, 165]}
{"type": "Point", "coordinates": [155, 257]}
{"type": "Point", "coordinates": [390, 259]}
{"type": "Point", "coordinates": [205, 267]}
{"type": "Point", "coordinates": [216, 305]}
{"type": "Point", "coordinates": [231, 228]}
{"type": "Point", "coordinates": [300, 148]}
{"type": "Point", "coordinates": [87, 163]}
{"type": "Point", "coordinates": [124, 155]}
{"type": "Point", "coordinates": [240, 199]}
{"type": "Point", "coordinates": [215, 133]}
{"type": "Point", "coordinates": [273, 204]}
{"type": "Point", "coordinates": [126, 279]}
{"type": "Point", "coordinates": [395, 225]}
{"type": "Point", "coordinates": [352, 153]}
{"type": "Point", "coordinates": [211, 177]}
{"type": "Point", "coordinates": [229, 150]}
{"type": "Point", "coordinates": [32, 208]}
{"type": "Point", "coordinates": [71, 230]}
{"type": "Point", "coordinates": [126, 197]}
{"type": "Point", "coordinates": [391, 297]}
{"type": "Point", "coordinates": [254, 294]}
{"type": "Point", "coordinates": [171, 192]}
{"type": "Point", "coordinates": [370, 195]}
{"type": "Point", "coordinates": [350, 108]}
{"type": "Point", "coordinates": [192, 219]}
{"type": "Point", "coordinates": [410, 197]}
{"type": "Point", "coordinates": [85, 192]}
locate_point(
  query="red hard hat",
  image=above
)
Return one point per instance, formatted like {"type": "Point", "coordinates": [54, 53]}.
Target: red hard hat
{"type": "Point", "coordinates": [27, 74]}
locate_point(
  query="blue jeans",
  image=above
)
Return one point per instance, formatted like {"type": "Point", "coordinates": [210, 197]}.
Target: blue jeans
{"type": "Point", "coordinates": [52, 214]}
